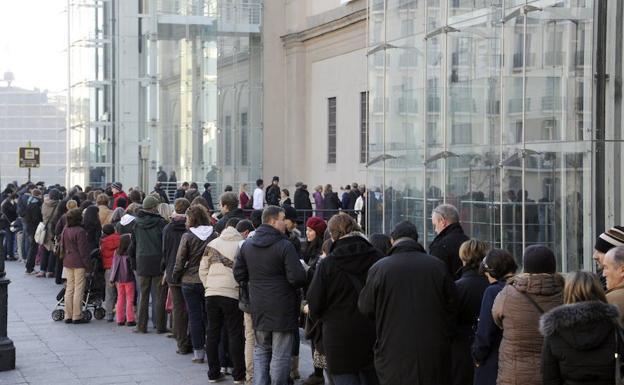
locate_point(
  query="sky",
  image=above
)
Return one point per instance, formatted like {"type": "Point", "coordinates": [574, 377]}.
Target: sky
{"type": "Point", "coordinates": [33, 42]}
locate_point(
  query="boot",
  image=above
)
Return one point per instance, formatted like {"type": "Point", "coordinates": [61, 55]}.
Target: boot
{"type": "Point", "coordinates": [294, 370]}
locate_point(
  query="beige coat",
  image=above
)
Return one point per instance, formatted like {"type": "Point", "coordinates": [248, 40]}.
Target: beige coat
{"type": "Point", "coordinates": [105, 214]}
{"type": "Point", "coordinates": [519, 359]}
{"type": "Point", "coordinates": [615, 296]}
{"type": "Point", "coordinates": [215, 269]}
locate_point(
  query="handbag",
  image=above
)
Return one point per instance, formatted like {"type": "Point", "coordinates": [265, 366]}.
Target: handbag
{"type": "Point", "coordinates": [169, 302]}
{"type": "Point", "coordinates": [40, 233]}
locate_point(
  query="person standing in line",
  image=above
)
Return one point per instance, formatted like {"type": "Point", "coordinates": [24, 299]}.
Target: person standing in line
{"type": "Point", "coordinates": [331, 202]}
{"type": "Point", "coordinates": [104, 212]}
{"type": "Point", "coordinates": [445, 246]}
{"type": "Point", "coordinates": [611, 238]}
{"type": "Point", "coordinates": [8, 210]}
{"type": "Point", "coordinates": [613, 271]}
{"type": "Point", "coordinates": [229, 209]}
{"type": "Point", "coordinates": [49, 217]}
{"type": "Point", "coordinates": [243, 197]}
{"type": "Point", "coordinates": [118, 193]}
{"type": "Point", "coordinates": [258, 195]}
{"type": "Point", "coordinates": [302, 202]}
{"type": "Point", "coordinates": [319, 203]}
{"type": "Point", "coordinates": [207, 195]}
{"type": "Point", "coordinates": [146, 255]}
{"type": "Point", "coordinates": [109, 243]}
{"type": "Point", "coordinates": [271, 266]}
{"type": "Point", "coordinates": [413, 301]}
{"type": "Point", "coordinates": [32, 218]}
{"type": "Point", "coordinates": [123, 278]}
{"type": "Point", "coordinates": [273, 192]}
{"type": "Point", "coordinates": [498, 266]}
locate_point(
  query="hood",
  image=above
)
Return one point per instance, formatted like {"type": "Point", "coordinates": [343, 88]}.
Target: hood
{"type": "Point", "coordinates": [230, 234]}
{"type": "Point", "coordinates": [406, 245]}
{"type": "Point", "coordinates": [147, 220]}
{"type": "Point", "coordinates": [178, 224]}
{"type": "Point", "coordinates": [539, 284]}
{"type": "Point", "coordinates": [266, 236]}
{"type": "Point", "coordinates": [583, 325]}
{"type": "Point", "coordinates": [202, 232]}
{"type": "Point", "coordinates": [126, 219]}
{"type": "Point", "coordinates": [353, 253]}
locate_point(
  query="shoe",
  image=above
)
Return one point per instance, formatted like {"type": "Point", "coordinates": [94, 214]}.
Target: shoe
{"type": "Point", "coordinates": [111, 320]}
{"type": "Point", "coordinates": [219, 378]}
{"type": "Point", "coordinates": [49, 275]}
{"type": "Point", "coordinates": [121, 323]}
{"type": "Point", "coordinates": [40, 274]}
{"type": "Point", "coordinates": [184, 351]}
{"type": "Point", "coordinates": [197, 360]}
{"type": "Point", "coordinates": [11, 259]}
{"type": "Point", "coordinates": [80, 321]}
{"type": "Point", "coordinates": [32, 272]}
{"type": "Point", "coordinates": [68, 321]}
{"type": "Point", "coordinates": [314, 380]}
{"type": "Point", "coordinates": [131, 323]}
{"type": "Point", "coordinates": [137, 330]}
{"type": "Point", "coordinates": [162, 331]}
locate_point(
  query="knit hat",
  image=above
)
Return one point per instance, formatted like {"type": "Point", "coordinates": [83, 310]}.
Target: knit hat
{"type": "Point", "coordinates": [291, 213]}
{"type": "Point", "coordinates": [609, 239]}
{"type": "Point", "coordinates": [108, 229]}
{"type": "Point", "coordinates": [150, 202]}
{"type": "Point", "coordinates": [539, 259]}
{"type": "Point", "coordinates": [318, 225]}
{"type": "Point", "coordinates": [116, 185]}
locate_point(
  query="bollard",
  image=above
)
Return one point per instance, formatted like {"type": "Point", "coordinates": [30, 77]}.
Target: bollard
{"type": "Point", "coordinates": [7, 349]}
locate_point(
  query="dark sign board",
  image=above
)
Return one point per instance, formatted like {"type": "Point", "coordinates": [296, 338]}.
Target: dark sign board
{"type": "Point", "coordinates": [29, 157]}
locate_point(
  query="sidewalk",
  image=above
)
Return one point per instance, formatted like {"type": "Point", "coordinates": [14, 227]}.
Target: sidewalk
{"type": "Point", "coordinates": [99, 352]}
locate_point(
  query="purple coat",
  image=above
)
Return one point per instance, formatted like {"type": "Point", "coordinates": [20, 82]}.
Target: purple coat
{"type": "Point", "coordinates": [121, 270]}
{"type": "Point", "coordinates": [318, 203]}
{"type": "Point", "coordinates": [76, 247]}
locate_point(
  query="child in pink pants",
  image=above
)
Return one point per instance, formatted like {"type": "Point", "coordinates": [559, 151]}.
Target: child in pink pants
{"type": "Point", "coordinates": [123, 277]}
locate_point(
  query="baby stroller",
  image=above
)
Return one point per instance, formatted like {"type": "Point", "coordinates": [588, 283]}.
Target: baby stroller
{"type": "Point", "coordinates": [93, 294]}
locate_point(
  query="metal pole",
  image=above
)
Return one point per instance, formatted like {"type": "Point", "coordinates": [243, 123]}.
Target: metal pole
{"type": "Point", "coordinates": [7, 349]}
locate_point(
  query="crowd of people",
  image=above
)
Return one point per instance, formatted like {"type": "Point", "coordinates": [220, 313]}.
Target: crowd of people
{"type": "Point", "coordinates": [242, 285]}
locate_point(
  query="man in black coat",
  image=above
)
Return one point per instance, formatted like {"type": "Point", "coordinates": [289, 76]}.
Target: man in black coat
{"type": "Point", "coordinates": [270, 265]}
{"type": "Point", "coordinates": [273, 192]}
{"type": "Point", "coordinates": [413, 300]}
{"type": "Point", "coordinates": [302, 202]}
{"type": "Point", "coordinates": [207, 195]}
{"type": "Point", "coordinates": [32, 218]}
{"type": "Point", "coordinates": [445, 246]}
{"type": "Point", "coordinates": [229, 209]}
{"type": "Point", "coordinates": [8, 215]}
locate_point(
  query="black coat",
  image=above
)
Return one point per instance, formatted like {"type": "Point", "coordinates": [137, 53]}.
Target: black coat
{"type": "Point", "coordinates": [146, 247]}
{"type": "Point", "coordinates": [172, 233]}
{"type": "Point", "coordinates": [413, 300]}
{"type": "Point", "coordinates": [208, 197]}
{"type": "Point", "coordinates": [269, 263]}
{"type": "Point", "coordinates": [236, 213]}
{"type": "Point", "coordinates": [273, 193]}
{"type": "Point", "coordinates": [446, 247]}
{"type": "Point", "coordinates": [32, 215]}
{"type": "Point", "coordinates": [470, 288]}
{"type": "Point", "coordinates": [579, 344]}
{"type": "Point", "coordinates": [302, 200]}
{"type": "Point", "coordinates": [9, 210]}
{"type": "Point", "coordinates": [332, 203]}
{"type": "Point", "coordinates": [348, 336]}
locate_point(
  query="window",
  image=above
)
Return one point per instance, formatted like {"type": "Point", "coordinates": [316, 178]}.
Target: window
{"type": "Point", "coordinates": [228, 140]}
{"type": "Point", "coordinates": [331, 130]}
{"type": "Point", "coordinates": [244, 139]}
{"type": "Point", "coordinates": [462, 133]}
{"type": "Point", "coordinates": [363, 127]}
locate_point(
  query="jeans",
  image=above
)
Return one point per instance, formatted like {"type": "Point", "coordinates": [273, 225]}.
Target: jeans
{"type": "Point", "coordinates": [48, 261]}
{"type": "Point", "coordinates": [194, 298]}
{"type": "Point", "coordinates": [74, 293]}
{"type": "Point", "coordinates": [363, 377]}
{"type": "Point", "coordinates": [110, 295]}
{"type": "Point", "coordinates": [272, 357]}
{"type": "Point", "coordinates": [125, 301]}
{"type": "Point", "coordinates": [33, 247]}
{"type": "Point", "coordinates": [9, 244]}
{"type": "Point", "coordinates": [180, 318]}
{"type": "Point", "coordinates": [224, 311]}
{"type": "Point", "coordinates": [148, 285]}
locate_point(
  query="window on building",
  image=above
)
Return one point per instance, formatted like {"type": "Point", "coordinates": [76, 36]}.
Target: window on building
{"type": "Point", "coordinates": [244, 139]}
{"type": "Point", "coordinates": [363, 127]}
{"type": "Point", "coordinates": [462, 133]}
{"type": "Point", "coordinates": [331, 130]}
{"type": "Point", "coordinates": [228, 140]}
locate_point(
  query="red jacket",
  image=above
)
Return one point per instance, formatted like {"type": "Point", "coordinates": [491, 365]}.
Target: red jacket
{"type": "Point", "coordinates": [108, 245]}
{"type": "Point", "coordinates": [116, 197]}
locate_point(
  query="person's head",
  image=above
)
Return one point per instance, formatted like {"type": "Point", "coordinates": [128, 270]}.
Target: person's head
{"type": "Point", "coordinates": [404, 229]}
{"type": "Point", "coordinates": [347, 188]}
{"type": "Point", "coordinates": [108, 229]}
{"type": "Point", "coordinates": [165, 211]}
{"type": "Point", "coordinates": [150, 204]}
{"type": "Point", "coordinates": [242, 188]}
{"type": "Point", "coordinates": [613, 267]}
{"type": "Point", "coordinates": [381, 242]}
{"type": "Point", "coordinates": [274, 217]}
{"type": "Point", "coordinates": [133, 208]}
{"type": "Point", "coordinates": [354, 185]}
{"type": "Point", "coordinates": [583, 286]}
{"type": "Point", "coordinates": [472, 253]}
{"type": "Point", "coordinates": [259, 183]}
{"type": "Point", "coordinates": [193, 186]}
{"type": "Point", "coordinates": [135, 196]}
{"type": "Point", "coordinates": [244, 227]}
{"type": "Point", "coordinates": [285, 193]}
{"type": "Point", "coordinates": [340, 225]}
{"type": "Point", "coordinates": [116, 187]}
{"type": "Point", "coordinates": [498, 264]}
{"type": "Point", "coordinates": [326, 247]}
{"type": "Point", "coordinates": [71, 204]}
{"type": "Point", "coordinates": [207, 186]}
{"type": "Point", "coordinates": [36, 193]}
{"type": "Point", "coordinates": [199, 200]}
{"type": "Point", "coordinates": [315, 228]}
{"type": "Point", "coordinates": [232, 222]}
{"type": "Point", "coordinates": [606, 241]}
{"type": "Point", "coordinates": [185, 186]}
{"type": "Point", "coordinates": [181, 205]}
{"type": "Point", "coordinates": [227, 188]}
{"type": "Point", "coordinates": [539, 259]}
{"type": "Point", "coordinates": [256, 218]}
{"type": "Point", "coordinates": [328, 189]}
{"type": "Point", "coordinates": [290, 217]}
{"type": "Point", "coordinates": [124, 244]}
{"type": "Point", "coordinates": [318, 188]}
{"type": "Point", "coordinates": [122, 202]}
{"type": "Point", "coordinates": [117, 214]}
{"type": "Point", "coordinates": [54, 194]}
{"type": "Point", "coordinates": [74, 217]}
{"type": "Point", "coordinates": [298, 185]}
{"type": "Point", "coordinates": [229, 202]}
{"type": "Point", "coordinates": [102, 200]}
{"type": "Point", "coordinates": [443, 216]}
{"type": "Point", "coordinates": [275, 180]}
{"type": "Point", "coordinates": [196, 216]}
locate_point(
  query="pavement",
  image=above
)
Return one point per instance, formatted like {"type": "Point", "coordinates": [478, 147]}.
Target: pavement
{"type": "Point", "coordinates": [96, 353]}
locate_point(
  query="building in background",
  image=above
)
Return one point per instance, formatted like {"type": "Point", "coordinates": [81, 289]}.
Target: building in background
{"type": "Point", "coordinates": [35, 116]}
{"type": "Point", "coordinates": [165, 84]}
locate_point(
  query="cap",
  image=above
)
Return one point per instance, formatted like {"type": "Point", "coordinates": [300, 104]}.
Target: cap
{"type": "Point", "coordinates": [116, 185]}
{"type": "Point", "coordinates": [150, 202]}
{"type": "Point", "coordinates": [609, 239]}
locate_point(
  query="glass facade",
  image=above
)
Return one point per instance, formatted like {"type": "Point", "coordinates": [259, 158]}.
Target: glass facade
{"type": "Point", "coordinates": [487, 105]}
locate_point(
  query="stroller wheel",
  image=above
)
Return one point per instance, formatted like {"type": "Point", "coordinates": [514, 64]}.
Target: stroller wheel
{"type": "Point", "coordinates": [99, 313]}
{"type": "Point", "coordinates": [86, 315]}
{"type": "Point", "coordinates": [58, 315]}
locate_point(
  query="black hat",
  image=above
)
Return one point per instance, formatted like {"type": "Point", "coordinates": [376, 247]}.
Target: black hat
{"type": "Point", "coordinates": [276, 178]}
{"type": "Point", "coordinates": [116, 185]}
{"type": "Point", "coordinates": [539, 259]}
{"type": "Point", "coordinates": [609, 239]}
{"type": "Point", "coordinates": [291, 213]}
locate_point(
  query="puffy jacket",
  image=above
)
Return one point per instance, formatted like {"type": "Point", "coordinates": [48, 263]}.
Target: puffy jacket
{"type": "Point", "coordinates": [190, 253]}
{"type": "Point", "coordinates": [76, 247]}
{"type": "Point", "coordinates": [146, 248]}
{"type": "Point", "coordinates": [519, 358]}
{"type": "Point", "coordinates": [116, 197]}
{"type": "Point", "coordinates": [216, 267]}
{"type": "Point", "coordinates": [104, 214]}
{"type": "Point", "coordinates": [446, 247]}
{"type": "Point", "coordinates": [108, 246]}
{"type": "Point", "coordinates": [579, 344]}
{"type": "Point", "coordinates": [172, 234]}
{"type": "Point", "coordinates": [270, 264]}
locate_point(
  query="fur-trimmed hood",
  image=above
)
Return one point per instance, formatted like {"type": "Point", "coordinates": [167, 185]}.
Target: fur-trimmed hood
{"type": "Point", "coordinates": [583, 325]}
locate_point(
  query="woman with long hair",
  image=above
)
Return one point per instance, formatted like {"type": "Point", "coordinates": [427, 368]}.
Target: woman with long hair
{"type": "Point", "coordinates": [243, 196]}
